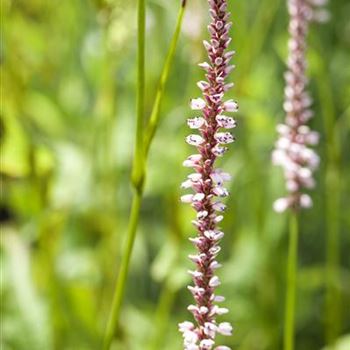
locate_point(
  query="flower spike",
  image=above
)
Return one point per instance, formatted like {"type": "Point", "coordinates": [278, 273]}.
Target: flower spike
{"type": "Point", "coordinates": [292, 150]}
{"type": "Point", "coordinates": [207, 183]}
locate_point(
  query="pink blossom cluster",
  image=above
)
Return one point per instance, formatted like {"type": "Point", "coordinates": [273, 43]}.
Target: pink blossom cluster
{"type": "Point", "coordinates": [292, 150]}
{"type": "Point", "coordinates": [207, 183]}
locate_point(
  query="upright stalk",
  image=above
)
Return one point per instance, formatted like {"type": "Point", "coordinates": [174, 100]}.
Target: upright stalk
{"type": "Point", "coordinates": [138, 165]}
{"type": "Point", "coordinates": [333, 319]}
{"type": "Point", "coordinates": [293, 152]}
{"type": "Point", "coordinates": [292, 262]}
{"type": "Point", "coordinates": [332, 200]}
{"type": "Point", "coordinates": [142, 145]}
{"type": "Point", "coordinates": [137, 179]}
{"type": "Point", "coordinates": [155, 114]}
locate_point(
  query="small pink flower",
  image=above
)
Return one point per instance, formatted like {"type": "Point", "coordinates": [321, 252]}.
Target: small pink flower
{"type": "Point", "coordinates": [195, 123]}
{"type": "Point", "coordinates": [197, 103]}
{"type": "Point", "coordinates": [194, 140]}
{"type": "Point", "coordinates": [225, 328]}
{"type": "Point", "coordinates": [231, 106]}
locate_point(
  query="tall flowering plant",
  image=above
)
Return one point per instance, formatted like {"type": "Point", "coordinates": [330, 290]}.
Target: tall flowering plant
{"type": "Point", "coordinates": [207, 183]}
{"type": "Point", "coordinates": [293, 152]}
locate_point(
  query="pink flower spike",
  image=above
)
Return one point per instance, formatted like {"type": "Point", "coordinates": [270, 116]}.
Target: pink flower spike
{"type": "Point", "coordinates": [291, 152]}
{"type": "Point", "coordinates": [207, 182]}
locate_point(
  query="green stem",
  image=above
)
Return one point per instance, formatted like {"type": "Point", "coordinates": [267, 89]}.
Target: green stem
{"type": "Point", "coordinates": [332, 180]}
{"type": "Point", "coordinates": [142, 145]}
{"type": "Point", "coordinates": [289, 323]}
{"type": "Point", "coordinates": [123, 273]}
{"type": "Point", "coordinates": [155, 114]}
{"type": "Point", "coordinates": [137, 180]}
{"type": "Point", "coordinates": [139, 159]}
{"type": "Point", "coordinates": [332, 256]}
{"type": "Point", "coordinates": [332, 201]}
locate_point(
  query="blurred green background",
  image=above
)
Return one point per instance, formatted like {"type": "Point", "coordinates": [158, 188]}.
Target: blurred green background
{"type": "Point", "coordinates": [68, 70]}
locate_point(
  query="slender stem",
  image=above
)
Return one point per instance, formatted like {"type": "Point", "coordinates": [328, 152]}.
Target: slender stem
{"type": "Point", "coordinates": [142, 145]}
{"type": "Point", "coordinates": [137, 180]}
{"type": "Point", "coordinates": [155, 114]}
{"type": "Point", "coordinates": [332, 180]}
{"type": "Point", "coordinates": [139, 159]}
{"type": "Point", "coordinates": [332, 200]}
{"type": "Point", "coordinates": [289, 323]}
{"type": "Point", "coordinates": [123, 273]}
{"type": "Point", "coordinates": [332, 256]}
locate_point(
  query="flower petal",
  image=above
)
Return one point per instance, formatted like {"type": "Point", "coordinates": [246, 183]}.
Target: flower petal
{"type": "Point", "coordinates": [219, 206]}
{"type": "Point", "coordinates": [225, 122]}
{"type": "Point", "coordinates": [230, 106]}
{"type": "Point", "coordinates": [224, 137]}
{"type": "Point", "coordinates": [214, 281]}
{"type": "Point", "coordinates": [281, 205]}
{"type": "Point", "coordinates": [225, 328]}
{"type": "Point", "coordinates": [194, 140]}
{"type": "Point", "coordinates": [219, 151]}
{"type": "Point", "coordinates": [187, 198]}
{"type": "Point", "coordinates": [197, 104]}
{"type": "Point", "coordinates": [195, 123]}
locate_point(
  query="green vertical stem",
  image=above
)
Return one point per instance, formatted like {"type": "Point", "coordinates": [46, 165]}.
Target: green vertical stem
{"type": "Point", "coordinates": [292, 262]}
{"type": "Point", "coordinates": [155, 114]}
{"type": "Point", "coordinates": [332, 200]}
{"type": "Point", "coordinates": [139, 161]}
{"type": "Point", "coordinates": [142, 145]}
{"type": "Point", "coordinates": [137, 180]}
{"type": "Point", "coordinates": [123, 273]}
{"type": "Point", "coordinates": [332, 256]}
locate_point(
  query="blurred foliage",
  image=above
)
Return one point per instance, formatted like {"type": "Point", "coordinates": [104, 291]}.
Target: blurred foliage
{"type": "Point", "coordinates": [67, 126]}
